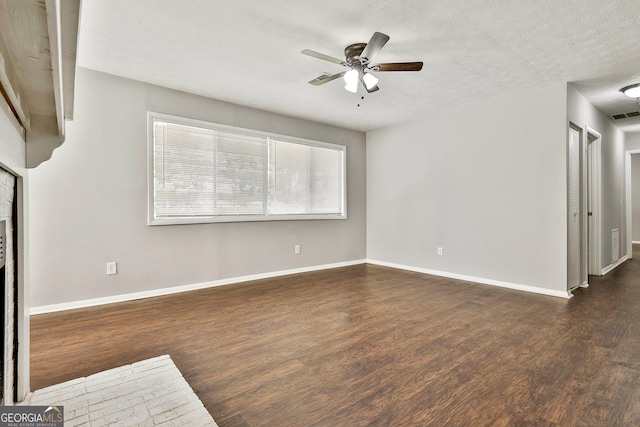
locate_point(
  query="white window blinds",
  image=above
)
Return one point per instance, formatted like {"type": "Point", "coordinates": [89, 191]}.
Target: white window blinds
{"type": "Point", "coordinates": [304, 179]}
{"type": "Point", "coordinates": [212, 173]}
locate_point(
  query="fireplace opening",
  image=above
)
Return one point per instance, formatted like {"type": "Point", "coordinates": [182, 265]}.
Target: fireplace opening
{"type": "Point", "coordinates": [9, 288]}
{"type": "Point", "coordinates": [3, 309]}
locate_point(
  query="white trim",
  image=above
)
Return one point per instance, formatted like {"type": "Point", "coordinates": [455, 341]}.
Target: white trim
{"type": "Point", "coordinates": [636, 242]}
{"type": "Point", "coordinates": [481, 280]}
{"type": "Point", "coordinates": [594, 246]}
{"type": "Point", "coordinates": [246, 218]}
{"type": "Point", "coordinates": [9, 382]}
{"type": "Point", "coordinates": [576, 251]}
{"type": "Point", "coordinates": [54, 27]}
{"type": "Point", "coordinates": [185, 288]}
{"type": "Point", "coordinates": [196, 286]}
{"type": "Point", "coordinates": [22, 270]}
{"type": "Point", "coordinates": [611, 266]}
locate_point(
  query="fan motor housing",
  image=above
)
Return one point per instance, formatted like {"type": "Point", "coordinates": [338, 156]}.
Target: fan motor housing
{"type": "Point", "coordinates": [353, 51]}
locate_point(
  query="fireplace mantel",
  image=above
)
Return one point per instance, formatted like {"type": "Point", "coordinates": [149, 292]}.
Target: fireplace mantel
{"type": "Point", "coordinates": [37, 70]}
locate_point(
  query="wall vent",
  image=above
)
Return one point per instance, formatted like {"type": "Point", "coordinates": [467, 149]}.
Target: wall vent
{"type": "Point", "coordinates": [625, 115]}
{"type": "Point", "coordinates": [615, 245]}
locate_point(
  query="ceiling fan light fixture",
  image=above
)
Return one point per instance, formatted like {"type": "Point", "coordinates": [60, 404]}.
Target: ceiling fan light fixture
{"type": "Point", "coordinates": [369, 80]}
{"type": "Point", "coordinates": [351, 81]}
{"type": "Point", "coordinates": [358, 56]}
{"type": "Point", "coordinates": [632, 91]}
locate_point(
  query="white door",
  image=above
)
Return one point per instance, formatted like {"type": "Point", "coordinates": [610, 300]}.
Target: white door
{"type": "Point", "coordinates": [573, 210]}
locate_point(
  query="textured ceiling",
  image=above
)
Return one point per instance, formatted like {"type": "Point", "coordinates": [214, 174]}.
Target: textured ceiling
{"type": "Point", "coordinates": [248, 51]}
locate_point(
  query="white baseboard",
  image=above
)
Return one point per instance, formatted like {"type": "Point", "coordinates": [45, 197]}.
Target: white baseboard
{"type": "Point", "coordinates": [612, 266]}
{"type": "Point", "coordinates": [516, 286]}
{"type": "Point", "coordinates": [185, 288]}
{"type": "Point", "coordinates": [636, 242]}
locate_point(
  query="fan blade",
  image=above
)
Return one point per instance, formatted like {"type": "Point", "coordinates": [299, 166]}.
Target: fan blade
{"type": "Point", "coordinates": [397, 66]}
{"type": "Point", "coordinates": [378, 40]}
{"type": "Point", "coordinates": [324, 57]}
{"type": "Point", "coordinates": [326, 78]}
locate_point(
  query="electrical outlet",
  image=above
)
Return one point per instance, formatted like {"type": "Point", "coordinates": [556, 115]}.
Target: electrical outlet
{"type": "Point", "coordinates": [112, 268]}
{"type": "Point", "coordinates": [440, 251]}
{"type": "Point", "coordinates": [296, 249]}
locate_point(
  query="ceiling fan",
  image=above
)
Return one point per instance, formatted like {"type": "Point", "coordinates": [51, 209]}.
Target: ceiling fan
{"type": "Point", "coordinates": [358, 57]}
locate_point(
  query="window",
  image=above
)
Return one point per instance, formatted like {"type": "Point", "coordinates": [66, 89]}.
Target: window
{"type": "Point", "coordinates": [205, 172]}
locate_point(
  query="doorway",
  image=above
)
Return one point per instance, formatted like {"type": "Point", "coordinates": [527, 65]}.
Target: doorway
{"type": "Point", "coordinates": [575, 229]}
{"type": "Point", "coordinates": [593, 202]}
{"type": "Point", "coordinates": [583, 206]}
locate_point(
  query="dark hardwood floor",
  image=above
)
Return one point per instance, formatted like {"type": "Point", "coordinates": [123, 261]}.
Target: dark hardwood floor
{"type": "Point", "coordinates": [368, 345]}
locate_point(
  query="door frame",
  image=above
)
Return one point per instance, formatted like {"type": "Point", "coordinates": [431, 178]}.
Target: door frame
{"type": "Point", "coordinates": [593, 193]}
{"type": "Point", "coordinates": [628, 201]}
{"type": "Point", "coordinates": [590, 200]}
{"type": "Point", "coordinates": [575, 253]}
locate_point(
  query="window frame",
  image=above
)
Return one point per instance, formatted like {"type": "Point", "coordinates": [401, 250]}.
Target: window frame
{"type": "Point", "coordinates": [152, 220]}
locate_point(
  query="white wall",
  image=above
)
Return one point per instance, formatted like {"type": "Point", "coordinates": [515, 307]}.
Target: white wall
{"type": "Point", "coordinates": [582, 113]}
{"type": "Point", "coordinates": [486, 183]}
{"type": "Point", "coordinates": [89, 202]}
{"type": "Point", "coordinates": [12, 146]}
{"type": "Point", "coordinates": [632, 141]}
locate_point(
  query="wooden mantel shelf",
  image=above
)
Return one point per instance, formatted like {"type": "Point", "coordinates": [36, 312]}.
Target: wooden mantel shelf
{"type": "Point", "coordinates": [38, 42]}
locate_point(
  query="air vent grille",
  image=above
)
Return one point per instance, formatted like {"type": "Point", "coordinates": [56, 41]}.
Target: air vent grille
{"type": "Point", "coordinates": [626, 115]}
